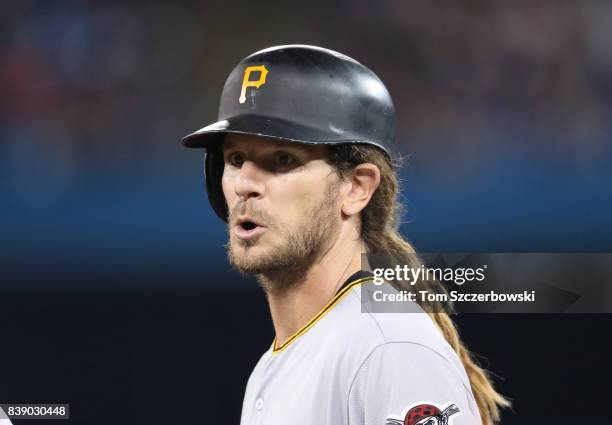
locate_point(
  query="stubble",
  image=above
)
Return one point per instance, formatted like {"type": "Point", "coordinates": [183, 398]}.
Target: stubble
{"type": "Point", "coordinates": [287, 264]}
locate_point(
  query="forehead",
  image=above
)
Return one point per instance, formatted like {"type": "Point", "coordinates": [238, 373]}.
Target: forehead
{"type": "Point", "coordinates": [245, 141]}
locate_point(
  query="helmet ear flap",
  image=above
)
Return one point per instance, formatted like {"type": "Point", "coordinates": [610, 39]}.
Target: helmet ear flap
{"type": "Point", "coordinates": [213, 169]}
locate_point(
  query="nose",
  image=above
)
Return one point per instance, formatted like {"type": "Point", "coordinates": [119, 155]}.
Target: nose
{"type": "Point", "coordinates": [249, 183]}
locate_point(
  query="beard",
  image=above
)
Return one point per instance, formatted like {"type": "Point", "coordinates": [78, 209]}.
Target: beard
{"type": "Point", "coordinates": [286, 265]}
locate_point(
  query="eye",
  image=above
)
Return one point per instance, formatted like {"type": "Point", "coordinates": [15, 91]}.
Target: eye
{"type": "Point", "coordinates": [235, 159]}
{"type": "Point", "coordinates": [283, 159]}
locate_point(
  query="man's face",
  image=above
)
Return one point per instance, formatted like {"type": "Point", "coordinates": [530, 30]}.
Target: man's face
{"type": "Point", "coordinates": [283, 204]}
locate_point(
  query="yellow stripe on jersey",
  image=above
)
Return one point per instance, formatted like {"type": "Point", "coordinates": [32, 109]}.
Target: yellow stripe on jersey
{"type": "Point", "coordinates": [320, 314]}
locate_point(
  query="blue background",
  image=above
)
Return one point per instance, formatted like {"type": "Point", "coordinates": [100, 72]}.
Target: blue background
{"type": "Point", "coordinates": [115, 290]}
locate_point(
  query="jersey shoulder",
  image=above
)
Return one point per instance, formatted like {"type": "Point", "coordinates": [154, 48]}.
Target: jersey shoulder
{"type": "Point", "coordinates": [363, 331]}
{"type": "Point", "coordinates": [357, 319]}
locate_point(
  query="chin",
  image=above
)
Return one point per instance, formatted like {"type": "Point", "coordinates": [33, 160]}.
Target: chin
{"type": "Point", "coordinates": [248, 252]}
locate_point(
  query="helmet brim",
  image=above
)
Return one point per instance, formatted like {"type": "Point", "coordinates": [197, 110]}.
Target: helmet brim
{"type": "Point", "coordinates": [211, 136]}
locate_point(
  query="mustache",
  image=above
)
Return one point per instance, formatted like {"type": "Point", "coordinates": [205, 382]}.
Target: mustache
{"type": "Point", "coordinates": [245, 208]}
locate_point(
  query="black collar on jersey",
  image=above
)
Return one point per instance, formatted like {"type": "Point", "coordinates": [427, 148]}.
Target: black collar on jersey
{"type": "Point", "coordinates": [355, 276]}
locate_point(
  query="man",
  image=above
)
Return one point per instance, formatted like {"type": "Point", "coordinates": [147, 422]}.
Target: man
{"type": "Point", "coordinates": [299, 166]}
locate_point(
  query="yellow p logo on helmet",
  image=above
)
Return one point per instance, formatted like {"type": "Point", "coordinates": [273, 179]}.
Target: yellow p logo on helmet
{"type": "Point", "coordinates": [247, 83]}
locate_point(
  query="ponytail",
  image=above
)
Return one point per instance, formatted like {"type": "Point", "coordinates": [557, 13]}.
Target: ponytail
{"type": "Point", "coordinates": [379, 230]}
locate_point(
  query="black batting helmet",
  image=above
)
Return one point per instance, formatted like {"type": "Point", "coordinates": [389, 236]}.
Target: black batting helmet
{"type": "Point", "coordinates": [299, 94]}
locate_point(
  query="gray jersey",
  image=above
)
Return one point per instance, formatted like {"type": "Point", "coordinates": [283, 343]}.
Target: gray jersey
{"type": "Point", "coordinates": [346, 367]}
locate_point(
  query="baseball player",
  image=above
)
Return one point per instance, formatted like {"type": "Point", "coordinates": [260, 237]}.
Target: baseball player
{"type": "Point", "coordinates": [299, 166]}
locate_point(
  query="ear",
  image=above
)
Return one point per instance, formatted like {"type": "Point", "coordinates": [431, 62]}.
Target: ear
{"type": "Point", "coordinates": [360, 187]}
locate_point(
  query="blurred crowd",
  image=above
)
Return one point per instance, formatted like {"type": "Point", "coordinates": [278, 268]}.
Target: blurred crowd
{"type": "Point", "coordinates": [114, 85]}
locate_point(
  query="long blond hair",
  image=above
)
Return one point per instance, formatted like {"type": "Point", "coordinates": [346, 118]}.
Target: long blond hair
{"type": "Point", "coordinates": [379, 230]}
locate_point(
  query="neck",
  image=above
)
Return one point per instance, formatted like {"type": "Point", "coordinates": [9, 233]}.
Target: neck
{"type": "Point", "coordinates": [292, 309]}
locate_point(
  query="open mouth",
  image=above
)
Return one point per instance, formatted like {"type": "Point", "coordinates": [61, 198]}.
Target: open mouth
{"type": "Point", "coordinates": [247, 228]}
{"type": "Point", "coordinates": [248, 225]}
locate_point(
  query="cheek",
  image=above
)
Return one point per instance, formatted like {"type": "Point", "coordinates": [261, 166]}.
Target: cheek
{"type": "Point", "coordinates": [292, 198]}
{"type": "Point", "coordinates": [227, 185]}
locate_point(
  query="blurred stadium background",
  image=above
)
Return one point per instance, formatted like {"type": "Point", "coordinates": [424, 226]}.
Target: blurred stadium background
{"type": "Point", "coordinates": [115, 295]}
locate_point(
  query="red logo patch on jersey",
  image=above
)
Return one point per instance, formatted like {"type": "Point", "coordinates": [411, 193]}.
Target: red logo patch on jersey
{"type": "Point", "coordinates": [424, 413]}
